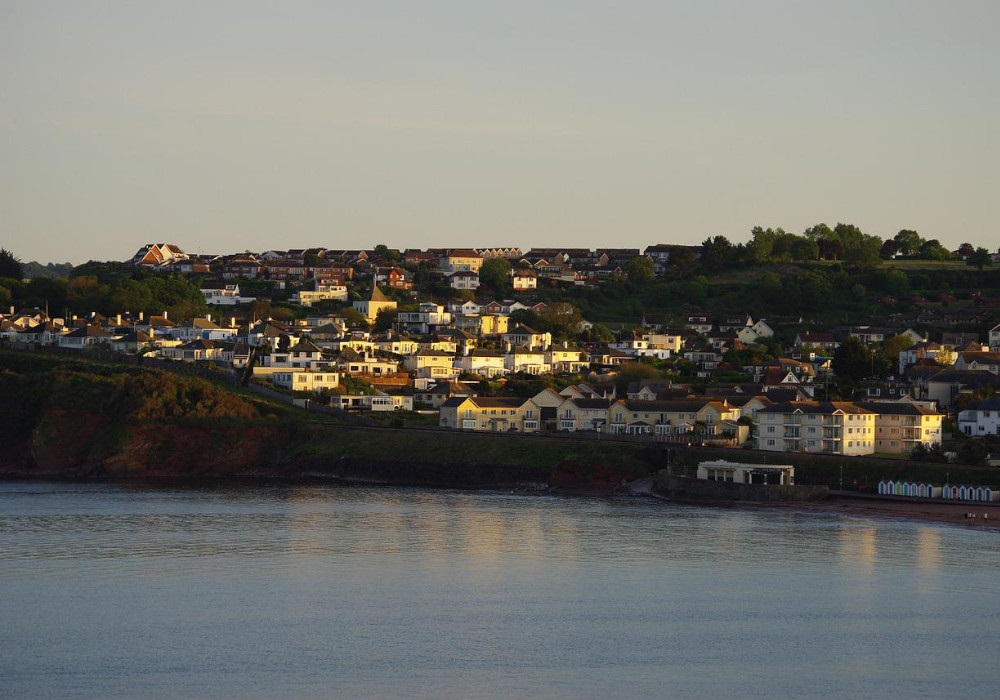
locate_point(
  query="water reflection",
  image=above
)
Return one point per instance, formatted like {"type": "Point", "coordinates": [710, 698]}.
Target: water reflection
{"type": "Point", "coordinates": [442, 594]}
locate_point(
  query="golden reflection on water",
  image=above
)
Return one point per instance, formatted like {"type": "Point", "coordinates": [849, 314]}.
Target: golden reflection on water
{"type": "Point", "coordinates": [858, 547]}
{"type": "Point", "coordinates": [928, 549]}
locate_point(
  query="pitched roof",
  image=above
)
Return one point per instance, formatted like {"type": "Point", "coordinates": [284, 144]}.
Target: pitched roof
{"type": "Point", "coordinates": [819, 407]}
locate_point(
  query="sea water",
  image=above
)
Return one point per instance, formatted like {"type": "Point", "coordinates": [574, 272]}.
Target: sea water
{"type": "Point", "coordinates": [126, 591]}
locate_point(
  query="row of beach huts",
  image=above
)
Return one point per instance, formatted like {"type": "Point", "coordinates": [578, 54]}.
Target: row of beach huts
{"type": "Point", "coordinates": [955, 492]}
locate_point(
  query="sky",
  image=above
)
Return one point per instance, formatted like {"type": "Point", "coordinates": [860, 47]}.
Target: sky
{"type": "Point", "coordinates": [232, 126]}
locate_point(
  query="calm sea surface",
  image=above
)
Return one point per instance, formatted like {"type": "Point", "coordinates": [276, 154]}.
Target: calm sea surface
{"type": "Point", "coordinates": [113, 591]}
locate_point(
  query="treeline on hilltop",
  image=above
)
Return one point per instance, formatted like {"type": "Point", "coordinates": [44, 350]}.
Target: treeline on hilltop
{"type": "Point", "coordinates": [828, 274]}
{"type": "Point", "coordinates": [843, 242]}
{"type": "Point", "coordinates": [107, 288]}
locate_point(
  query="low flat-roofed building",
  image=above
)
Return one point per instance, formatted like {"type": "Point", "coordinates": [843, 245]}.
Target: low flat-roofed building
{"type": "Point", "coordinates": [740, 473]}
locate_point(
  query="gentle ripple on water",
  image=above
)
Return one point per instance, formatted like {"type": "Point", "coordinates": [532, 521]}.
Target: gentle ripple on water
{"type": "Point", "coordinates": [118, 591]}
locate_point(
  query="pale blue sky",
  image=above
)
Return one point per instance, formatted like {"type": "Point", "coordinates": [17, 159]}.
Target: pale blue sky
{"type": "Point", "coordinates": [224, 126]}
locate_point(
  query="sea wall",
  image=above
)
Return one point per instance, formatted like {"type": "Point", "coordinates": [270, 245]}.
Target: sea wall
{"type": "Point", "coordinates": [683, 488]}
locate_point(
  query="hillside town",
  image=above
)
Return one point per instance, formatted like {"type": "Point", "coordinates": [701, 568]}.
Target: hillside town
{"type": "Point", "coordinates": [368, 335]}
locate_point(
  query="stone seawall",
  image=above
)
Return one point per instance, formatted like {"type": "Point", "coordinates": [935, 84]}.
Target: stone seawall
{"type": "Point", "coordinates": [681, 488]}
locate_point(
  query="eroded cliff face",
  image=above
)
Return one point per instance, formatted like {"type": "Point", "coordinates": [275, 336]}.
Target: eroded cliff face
{"type": "Point", "coordinates": [93, 445]}
{"type": "Point", "coordinates": [68, 419]}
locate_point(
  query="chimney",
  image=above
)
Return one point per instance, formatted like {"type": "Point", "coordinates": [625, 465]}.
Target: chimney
{"type": "Point", "coordinates": [141, 315]}
{"type": "Point", "coordinates": [165, 313]}
{"type": "Point", "coordinates": [232, 322]}
{"type": "Point", "coordinates": [118, 320]}
{"type": "Point", "coordinates": [208, 317]}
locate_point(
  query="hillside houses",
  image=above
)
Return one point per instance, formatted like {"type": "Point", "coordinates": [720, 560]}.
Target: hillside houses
{"type": "Point", "coordinates": [426, 326]}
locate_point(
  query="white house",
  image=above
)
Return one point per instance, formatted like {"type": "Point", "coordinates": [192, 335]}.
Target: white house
{"type": "Point", "coordinates": [980, 418]}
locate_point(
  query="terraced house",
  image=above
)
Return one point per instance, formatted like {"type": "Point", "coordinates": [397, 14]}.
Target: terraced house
{"type": "Point", "coordinates": [489, 414]}
{"type": "Point", "coordinates": [663, 418]}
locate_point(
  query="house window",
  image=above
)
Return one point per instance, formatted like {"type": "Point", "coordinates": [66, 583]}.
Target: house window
{"type": "Point", "coordinates": [770, 442]}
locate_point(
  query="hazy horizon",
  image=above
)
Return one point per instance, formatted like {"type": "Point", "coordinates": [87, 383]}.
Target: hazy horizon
{"type": "Point", "coordinates": [224, 126]}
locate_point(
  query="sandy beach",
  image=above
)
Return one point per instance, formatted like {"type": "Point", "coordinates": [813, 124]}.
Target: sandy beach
{"type": "Point", "coordinates": [986, 515]}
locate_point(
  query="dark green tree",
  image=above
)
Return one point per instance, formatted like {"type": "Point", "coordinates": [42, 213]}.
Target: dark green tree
{"type": "Point", "coordinates": [495, 273]}
{"type": "Point", "coordinates": [908, 242]}
{"type": "Point", "coordinates": [10, 265]}
{"type": "Point", "coordinates": [979, 258]}
{"type": "Point", "coordinates": [853, 360]}
{"type": "Point", "coordinates": [640, 270]}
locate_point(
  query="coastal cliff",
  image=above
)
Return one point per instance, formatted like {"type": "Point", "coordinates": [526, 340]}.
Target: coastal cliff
{"type": "Point", "coordinates": [68, 419]}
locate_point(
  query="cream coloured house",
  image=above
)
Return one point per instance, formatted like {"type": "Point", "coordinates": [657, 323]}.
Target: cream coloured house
{"type": "Point", "coordinates": [901, 426]}
{"type": "Point", "coordinates": [672, 417]}
{"type": "Point", "coordinates": [484, 363]}
{"type": "Point", "coordinates": [830, 427]}
{"type": "Point", "coordinates": [489, 414]}
{"type": "Point", "coordinates": [378, 302]}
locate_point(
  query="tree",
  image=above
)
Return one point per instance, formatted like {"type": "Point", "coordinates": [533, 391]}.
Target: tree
{"type": "Point", "coordinates": [829, 248]}
{"type": "Point", "coordinates": [909, 242]}
{"type": "Point", "coordinates": [682, 259]}
{"type": "Point", "coordinates": [818, 232]}
{"type": "Point", "coordinates": [864, 251]}
{"type": "Point", "coordinates": [889, 248]}
{"type": "Point", "coordinates": [973, 451]}
{"type": "Point", "coordinates": [384, 320]}
{"type": "Point", "coordinates": [933, 250]}
{"type": "Point", "coordinates": [802, 249]}
{"type": "Point", "coordinates": [353, 318]}
{"type": "Point", "coordinates": [966, 249]}
{"type": "Point", "coordinates": [495, 273]}
{"type": "Point", "coordinates": [10, 265]}
{"type": "Point", "coordinates": [260, 309]}
{"type": "Point", "coordinates": [853, 360]}
{"type": "Point", "coordinates": [717, 253]}
{"type": "Point", "coordinates": [639, 270]}
{"type": "Point", "coordinates": [979, 258]}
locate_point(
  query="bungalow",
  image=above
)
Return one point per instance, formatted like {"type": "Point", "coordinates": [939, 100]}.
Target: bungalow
{"type": "Point", "coordinates": [438, 393]}
{"type": "Point", "coordinates": [84, 337]}
{"type": "Point", "coordinates": [203, 328]}
{"type": "Point", "coordinates": [200, 350]}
